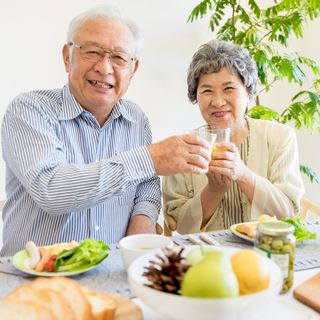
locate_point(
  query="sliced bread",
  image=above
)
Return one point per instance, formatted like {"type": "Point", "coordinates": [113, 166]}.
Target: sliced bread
{"type": "Point", "coordinates": [11, 309]}
{"type": "Point", "coordinates": [103, 306]}
{"type": "Point", "coordinates": [65, 306]}
{"type": "Point", "coordinates": [71, 292]}
{"type": "Point", "coordinates": [52, 300]}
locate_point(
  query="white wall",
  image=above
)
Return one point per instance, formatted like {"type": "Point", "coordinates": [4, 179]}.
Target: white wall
{"type": "Point", "coordinates": [33, 32]}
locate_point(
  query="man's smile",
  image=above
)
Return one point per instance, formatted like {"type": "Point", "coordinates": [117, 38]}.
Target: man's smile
{"type": "Point", "coordinates": [100, 84]}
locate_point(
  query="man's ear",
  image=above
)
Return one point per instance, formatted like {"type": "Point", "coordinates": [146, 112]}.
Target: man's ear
{"type": "Point", "coordinates": [136, 65]}
{"type": "Point", "coordinates": [66, 57]}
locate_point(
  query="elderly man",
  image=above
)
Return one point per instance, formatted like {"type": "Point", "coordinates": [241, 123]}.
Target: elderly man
{"type": "Point", "coordinates": [80, 160]}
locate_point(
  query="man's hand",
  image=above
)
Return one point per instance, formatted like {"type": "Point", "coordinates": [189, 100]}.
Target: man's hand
{"type": "Point", "coordinates": [140, 224]}
{"type": "Point", "coordinates": [180, 154]}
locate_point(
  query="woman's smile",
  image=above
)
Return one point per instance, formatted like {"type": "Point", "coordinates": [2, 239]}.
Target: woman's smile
{"type": "Point", "coordinates": [220, 114]}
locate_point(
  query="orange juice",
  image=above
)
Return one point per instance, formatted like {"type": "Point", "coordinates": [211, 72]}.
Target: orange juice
{"type": "Point", "coordinates": [216, 149]}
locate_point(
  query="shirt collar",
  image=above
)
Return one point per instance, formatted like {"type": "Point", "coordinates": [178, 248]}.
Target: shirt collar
{"type": "Point", "coordinates": [72, 109]}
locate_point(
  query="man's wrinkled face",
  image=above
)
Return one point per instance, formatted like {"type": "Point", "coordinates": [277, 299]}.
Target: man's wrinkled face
{"type": "Point", "coordinates": [98, 86]}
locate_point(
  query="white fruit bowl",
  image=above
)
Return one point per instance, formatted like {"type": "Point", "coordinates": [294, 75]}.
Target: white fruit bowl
{"type": "Point", "coordinates": [178, 307]}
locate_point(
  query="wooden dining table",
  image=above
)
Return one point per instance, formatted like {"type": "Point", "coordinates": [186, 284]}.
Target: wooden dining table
{"type": "Point", "coordinates": [111, 276]}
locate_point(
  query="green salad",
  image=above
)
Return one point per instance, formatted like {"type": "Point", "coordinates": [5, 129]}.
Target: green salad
{"type": "Point", "coordinates": [88, 254]}
{"type": "Point", "coordinates": [301, 231]}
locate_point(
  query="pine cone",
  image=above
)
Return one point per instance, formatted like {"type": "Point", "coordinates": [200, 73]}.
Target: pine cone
{"type": "Point", "coordinates": [167, 275]}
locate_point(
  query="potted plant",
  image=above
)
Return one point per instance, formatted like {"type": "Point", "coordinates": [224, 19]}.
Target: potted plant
{"type": "Point", "coordinates": [264, 32]}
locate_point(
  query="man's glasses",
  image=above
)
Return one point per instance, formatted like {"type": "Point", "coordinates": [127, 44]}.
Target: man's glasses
{"type": "Point", "coordinates": [93, 53]}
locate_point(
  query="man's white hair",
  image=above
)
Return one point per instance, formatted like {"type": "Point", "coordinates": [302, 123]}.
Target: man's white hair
{"type": "Point", "coordinates": [107, 12]}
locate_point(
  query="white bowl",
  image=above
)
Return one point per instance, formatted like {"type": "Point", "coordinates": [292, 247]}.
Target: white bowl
{"type": "Point", "coordinates": [134, 246]}
{"type": "Point", "coordinates": [179, 307]}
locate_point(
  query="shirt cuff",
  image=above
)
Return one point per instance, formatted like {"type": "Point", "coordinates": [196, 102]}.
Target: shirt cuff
{"type": "Point", "coordinates": [138, 164]}
{"type": "Point", "coordinates": [147, 209]}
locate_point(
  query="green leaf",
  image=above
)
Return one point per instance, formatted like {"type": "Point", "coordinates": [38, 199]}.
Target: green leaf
{"type": "Point", "coordinates": [260, 112]}
{"type": "Point", "coordinates": [244, 15]}
{"type": "Point", "coordinates": [255, 8]}
{"type": "Point", "coordinates": [200, 10]}
{"type": "Point", "coordinates": [302, 113]}
{"type": "Point", "coordinates": [227, 31]}
{"type": "Point", "coordinates": [313, 97]}
{"type": "Point", "coordinates": [314, 4]}
{"type": "Point", "coordinates": [290, 68]}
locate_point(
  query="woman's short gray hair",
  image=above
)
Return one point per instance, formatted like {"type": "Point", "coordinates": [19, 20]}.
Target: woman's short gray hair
{"type": "Point", "coordinates": [107, 12]}
{"type": "Point", "coordinates": [213, 56]}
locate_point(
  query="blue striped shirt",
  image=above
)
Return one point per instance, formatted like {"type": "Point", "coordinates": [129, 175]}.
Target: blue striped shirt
{"type": "Point", "coordinates": [69, 179]}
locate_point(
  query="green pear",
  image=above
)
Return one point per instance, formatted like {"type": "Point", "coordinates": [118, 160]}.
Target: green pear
{"type": "Point", "coordinates": [212, 277]}
{"type": "Point", "coordinates": [196, 255]}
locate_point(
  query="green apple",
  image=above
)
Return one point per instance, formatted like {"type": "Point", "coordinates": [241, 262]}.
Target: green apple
{"type": "Point", "coordinates": [212, 277]}
{"type": "Point", "coordinates": [196, 255]}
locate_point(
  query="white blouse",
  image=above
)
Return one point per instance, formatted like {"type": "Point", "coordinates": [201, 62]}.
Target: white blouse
{"type": "Point", "coordinates": [273, 157]}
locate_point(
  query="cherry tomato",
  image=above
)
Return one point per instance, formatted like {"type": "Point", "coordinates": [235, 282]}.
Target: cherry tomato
{"type": "Point", "coordinates": [48, 267]}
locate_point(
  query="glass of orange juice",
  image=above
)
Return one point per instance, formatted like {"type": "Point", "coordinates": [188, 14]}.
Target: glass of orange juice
{"type": "Point", "coordinates": [204, 134]}
{"type": "Point", "coordinates": [223, 135]}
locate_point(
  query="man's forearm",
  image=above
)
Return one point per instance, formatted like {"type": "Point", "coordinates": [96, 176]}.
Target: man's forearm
{"type": "Point", "coordinates": [140, 224]}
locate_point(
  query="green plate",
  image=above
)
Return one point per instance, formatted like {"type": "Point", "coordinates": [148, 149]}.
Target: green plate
{"type": "Point", "coordinates": [241, 235]}
{"type": "Point", "coordinates": [20, 257]}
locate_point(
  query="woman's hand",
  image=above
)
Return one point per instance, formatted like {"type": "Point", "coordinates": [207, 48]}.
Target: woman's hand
{"type": "Point", "coordinates": [227, 163]}
{"type": "Point", "coordinates": [218, 183]}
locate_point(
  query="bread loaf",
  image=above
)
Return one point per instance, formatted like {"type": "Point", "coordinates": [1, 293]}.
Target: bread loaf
{"type": "Point", "coordinates": [71, 292]}
{"type": "Point", "coordinates": [103, 306]}
{"type": "Point", "coordinates": [50, 299]}
{"type": "Point", "coordinates": [56, 298]}
{"type": "Point", "coordinates": [11, 309]}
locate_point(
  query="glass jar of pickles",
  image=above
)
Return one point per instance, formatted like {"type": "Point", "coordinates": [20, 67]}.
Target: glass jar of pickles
{"type": "Point", "coordinates": [276, 241]}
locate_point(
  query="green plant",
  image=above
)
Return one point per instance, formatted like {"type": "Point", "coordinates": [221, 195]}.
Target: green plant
{"type": "Point", "coordinates": [264, 32]}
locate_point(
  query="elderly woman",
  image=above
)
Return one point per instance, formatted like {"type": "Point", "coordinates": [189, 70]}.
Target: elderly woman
{"type": "Point", "coordinates": [259, 174]}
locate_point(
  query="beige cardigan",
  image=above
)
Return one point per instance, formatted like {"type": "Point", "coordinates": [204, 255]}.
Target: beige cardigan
{"type": "Point", "coordinates": [273, 157]}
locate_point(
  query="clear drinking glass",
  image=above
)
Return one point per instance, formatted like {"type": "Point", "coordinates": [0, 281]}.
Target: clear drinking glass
{"type": "Point", "coordinates": [204, 134]}
{"type": "Point", "coordinates": [223, 135]}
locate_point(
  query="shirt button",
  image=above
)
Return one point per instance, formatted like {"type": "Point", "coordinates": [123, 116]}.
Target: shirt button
{"type": "Point", "coordinates": [141, 173]}
{"type": "Point", "coordinates": [97, 228]}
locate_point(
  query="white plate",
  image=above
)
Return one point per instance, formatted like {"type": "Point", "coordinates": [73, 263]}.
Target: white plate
{"type": "Point", "coordinates": [241, 235]}
{"type": "Point", "coordinates": [19, 262]}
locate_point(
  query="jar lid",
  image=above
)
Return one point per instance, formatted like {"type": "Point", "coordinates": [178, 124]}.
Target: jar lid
{"type": "Point", "coordinates": [275, 228]}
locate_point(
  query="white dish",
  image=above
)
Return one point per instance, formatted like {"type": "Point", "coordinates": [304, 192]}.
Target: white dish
{"type": "Point", "coordinates": [186, 308]}
{"type": "Point", "coordinates": [19, 261]}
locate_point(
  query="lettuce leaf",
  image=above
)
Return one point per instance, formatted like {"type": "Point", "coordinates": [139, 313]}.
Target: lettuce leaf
{"type": "Point", "coordinates": [301, 231]}
{"type": "Point", "coordinates": [89, 253]}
